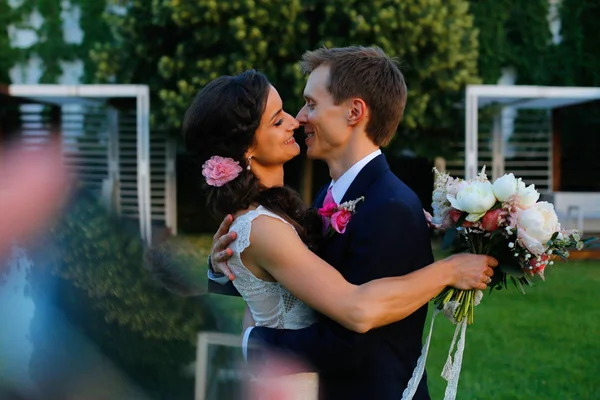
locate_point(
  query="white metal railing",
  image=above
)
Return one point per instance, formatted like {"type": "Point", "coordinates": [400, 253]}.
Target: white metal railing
{"type": "Point", "coordinates": [205, 380]}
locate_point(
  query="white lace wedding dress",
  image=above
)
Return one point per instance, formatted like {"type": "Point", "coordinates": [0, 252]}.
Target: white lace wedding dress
{"type": "Point", "coordinates": [271, 304]}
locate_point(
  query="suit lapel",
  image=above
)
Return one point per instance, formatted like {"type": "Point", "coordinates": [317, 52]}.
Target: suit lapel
{"type": "Point", "coordinates": [333, 247]}
{"type": "Point", "coordinates": [365, 177]}
{"type": "Point", "coordinates": [320, 198]}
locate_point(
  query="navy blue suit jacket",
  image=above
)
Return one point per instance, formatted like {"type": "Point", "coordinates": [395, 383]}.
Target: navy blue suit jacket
{"type": "Point", "coordinates": [387, 236]}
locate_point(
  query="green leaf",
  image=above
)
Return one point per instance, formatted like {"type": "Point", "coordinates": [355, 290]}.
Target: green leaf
{"type": "Point", "coordinates": [496, 206]}
{"type": "Point", "coordinates": [518, 284]}
{"type": "Point", "coordinates": [561, 254]}
{"type": "Point", "coordinates": [513, 270]}
{"type": "Point", "coordinates": [461, 220]}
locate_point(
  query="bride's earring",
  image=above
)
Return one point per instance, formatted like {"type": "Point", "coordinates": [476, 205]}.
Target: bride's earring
{"type": "Point", "coordinates": [249, 161]}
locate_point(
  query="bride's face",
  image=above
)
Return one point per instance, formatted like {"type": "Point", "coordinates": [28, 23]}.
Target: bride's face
{"type": "Point", "coordinates": [274, 142]}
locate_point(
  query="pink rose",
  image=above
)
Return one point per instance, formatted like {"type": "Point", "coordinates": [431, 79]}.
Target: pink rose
{"type": "Point", "coordinates": [327, 210]}
{"type": "Point", "coordinates": [490, 220]}
{"type": "Point", "coordinates": [340, 219]}
{"type": "Point", "coordinates": [219, 170]}
{"type": "Point", "coordinates": [538, 266]}
{"type": "Point", "coordinates": [455, 216]}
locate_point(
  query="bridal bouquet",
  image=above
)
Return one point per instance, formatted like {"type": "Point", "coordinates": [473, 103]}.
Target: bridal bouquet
{"type": "Point", "coordinates": [504, 220]}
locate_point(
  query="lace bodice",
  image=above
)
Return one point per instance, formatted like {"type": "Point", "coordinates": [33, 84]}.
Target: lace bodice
{"type": "Point", "coordinates": [271, 304]}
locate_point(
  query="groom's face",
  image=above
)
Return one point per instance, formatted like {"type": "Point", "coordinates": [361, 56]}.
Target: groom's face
{"type": "Point", "coordinates": [325, 123]}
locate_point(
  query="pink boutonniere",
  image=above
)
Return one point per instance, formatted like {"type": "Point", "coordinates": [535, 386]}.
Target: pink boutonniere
{"type": "Point", "coordinates": [337, 216]}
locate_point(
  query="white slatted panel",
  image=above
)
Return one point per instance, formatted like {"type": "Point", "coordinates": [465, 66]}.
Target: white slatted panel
{"type": "Point", "coordinates": [528, 152]}
{"type": "Point", "coordinates": [158, 178]}
{"type": "Point", "coordinates": [128, 170]}
{"type": "Point", "coordinates": [86, 140]}
{"type": "Point", "coordinates": [456, 166]}
{"type": "Point", "coordinates": [527, 141]}
{"type": "Point", "coordinates": [99, 145]}
{"type": "Point", "coordinates": [36, 125]}
{"type": "Point", "coordinates": [128, 203]}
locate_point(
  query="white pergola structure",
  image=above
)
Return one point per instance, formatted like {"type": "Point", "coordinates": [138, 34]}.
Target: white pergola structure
{"type": "Point", "coordinates": [524, 98]}
{"type": "Point", "coordinates": [116, 143]}
{"type": "Point", "coordinates": [516, 97]}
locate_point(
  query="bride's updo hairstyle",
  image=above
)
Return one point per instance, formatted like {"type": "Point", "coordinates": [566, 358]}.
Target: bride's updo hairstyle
{"type": "Point", "coordinates": [218, 128]}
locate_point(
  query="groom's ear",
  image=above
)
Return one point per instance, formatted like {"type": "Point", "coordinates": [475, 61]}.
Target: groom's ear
{"type": "Point", "coordinates": [358, 111]}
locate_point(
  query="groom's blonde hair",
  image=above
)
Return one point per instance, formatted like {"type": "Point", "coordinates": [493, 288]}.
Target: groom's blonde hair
{"type": "Point", "coordinates": [367, 73]}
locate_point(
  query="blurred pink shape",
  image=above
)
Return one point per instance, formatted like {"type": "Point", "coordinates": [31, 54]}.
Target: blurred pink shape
{"type": "Point", "coordinates": [33, 185]}
{"type": "Point", "coordinates": [283, 378]}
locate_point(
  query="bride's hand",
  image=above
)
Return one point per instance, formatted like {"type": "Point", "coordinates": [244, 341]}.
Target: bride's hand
{"type": "Point", "coordinates": [220, 253]}
{"type": "Point", "coordinates": [471, 271]}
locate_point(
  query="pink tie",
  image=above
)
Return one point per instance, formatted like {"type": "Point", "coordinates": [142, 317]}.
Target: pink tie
{"type": "Point", "coordinates": [328, 201]}
{"type": "Point", "coordinates": [329, 197]}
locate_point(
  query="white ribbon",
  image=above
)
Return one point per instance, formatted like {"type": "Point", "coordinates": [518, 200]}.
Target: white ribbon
{"type": "Point", "coordinates": [451, 370]}
{"type": "Point", "coordinates": [413, 383]}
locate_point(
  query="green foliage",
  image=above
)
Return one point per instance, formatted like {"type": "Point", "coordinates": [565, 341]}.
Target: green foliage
{"type": "Point", "coordinates": [98, 279]}
{"type": "Point", "coordinates": [95, 30]}
{"type": "Point", "coordinates": [436, 43]}
{"type": "Point", "coordinates": [155, 364]}
{"type": "Point", "coordinates": [578, 55]}
{"type": "Point", "coordinates": [177, 47]}
{"type": "Point", "coordinates": [8, 55]}
{"type": "Point", "coordinates": [101, 256]}
{"type": "Point", "coordinates": [50, 46]}
{"type": "Point", "coordinates": [514, 33]}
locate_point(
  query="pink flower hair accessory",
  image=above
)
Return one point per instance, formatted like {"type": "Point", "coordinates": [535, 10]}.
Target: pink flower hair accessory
{"type": "Point", "coordinates": [220, 170]}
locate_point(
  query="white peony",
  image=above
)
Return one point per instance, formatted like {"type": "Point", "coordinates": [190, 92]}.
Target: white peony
{"type": "Point", "coordinates": [505, 187]}
{"type": "Point", "coordinates": [527, 196]}
{"type": "Point", "coordinates": [536, 225]}
{"type": "Point", "coordinates": [475, 198]}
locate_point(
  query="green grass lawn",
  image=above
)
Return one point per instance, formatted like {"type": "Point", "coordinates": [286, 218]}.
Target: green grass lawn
{"type": "Point", "coordinates": [542, 345]}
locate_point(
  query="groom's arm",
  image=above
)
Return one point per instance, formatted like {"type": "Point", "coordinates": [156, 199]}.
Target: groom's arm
{"type": "Point", "coordinates": [385, 245]}
{"type": "Point", "coordinates": [219, 279]}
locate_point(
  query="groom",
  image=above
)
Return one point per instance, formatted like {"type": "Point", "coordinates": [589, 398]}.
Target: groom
{"type": "Point", "coordinates": [355, 99]}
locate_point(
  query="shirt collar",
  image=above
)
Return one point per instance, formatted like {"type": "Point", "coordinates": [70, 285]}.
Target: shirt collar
{"type": "Point", "coordinates": [340, 187]}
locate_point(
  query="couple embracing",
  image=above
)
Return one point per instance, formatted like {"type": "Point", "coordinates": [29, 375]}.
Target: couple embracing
{"type": "Point", "coordinates": [342, 285]}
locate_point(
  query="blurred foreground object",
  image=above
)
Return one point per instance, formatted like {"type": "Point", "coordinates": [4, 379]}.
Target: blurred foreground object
{"type": "Point", "coordinates": [33, 185]}
{"type": "Point", "coordinates": [222, 373]}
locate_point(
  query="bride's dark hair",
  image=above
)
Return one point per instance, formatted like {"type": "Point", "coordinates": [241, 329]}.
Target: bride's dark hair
{"type": "Point", "coordinates": [222, 121]}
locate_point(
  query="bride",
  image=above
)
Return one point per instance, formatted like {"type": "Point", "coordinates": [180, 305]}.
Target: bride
{"type": "Point", "coordinates": [237, 129]}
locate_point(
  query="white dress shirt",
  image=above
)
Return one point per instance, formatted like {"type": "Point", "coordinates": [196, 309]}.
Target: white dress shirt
{"type": "Point", "coordinates": [340, 187]}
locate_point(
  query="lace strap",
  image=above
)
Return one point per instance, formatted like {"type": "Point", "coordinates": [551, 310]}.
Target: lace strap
{"type": "Point", "coordinates": [263, 211]}
{"type": "Point", "coordinates": [242, 225]}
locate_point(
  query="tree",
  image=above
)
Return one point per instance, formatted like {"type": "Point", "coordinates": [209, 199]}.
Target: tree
{"type": "Point", "coordinates": [96, 262]}
{"type": "Point", "coordinates": [50, 45]}
{"type": "Point", "coordinates": [514, 33]}
{"type": "Point", "coordinates": [177, 47]}
{"type": "Point", "coordinates": [436, 43]}
{"type": "Point", "coordinates": [8, 55]}
{"type": "Point", "coordinates": [104, 257]}
{"type": "Point", "coordinates": [578, 56]}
